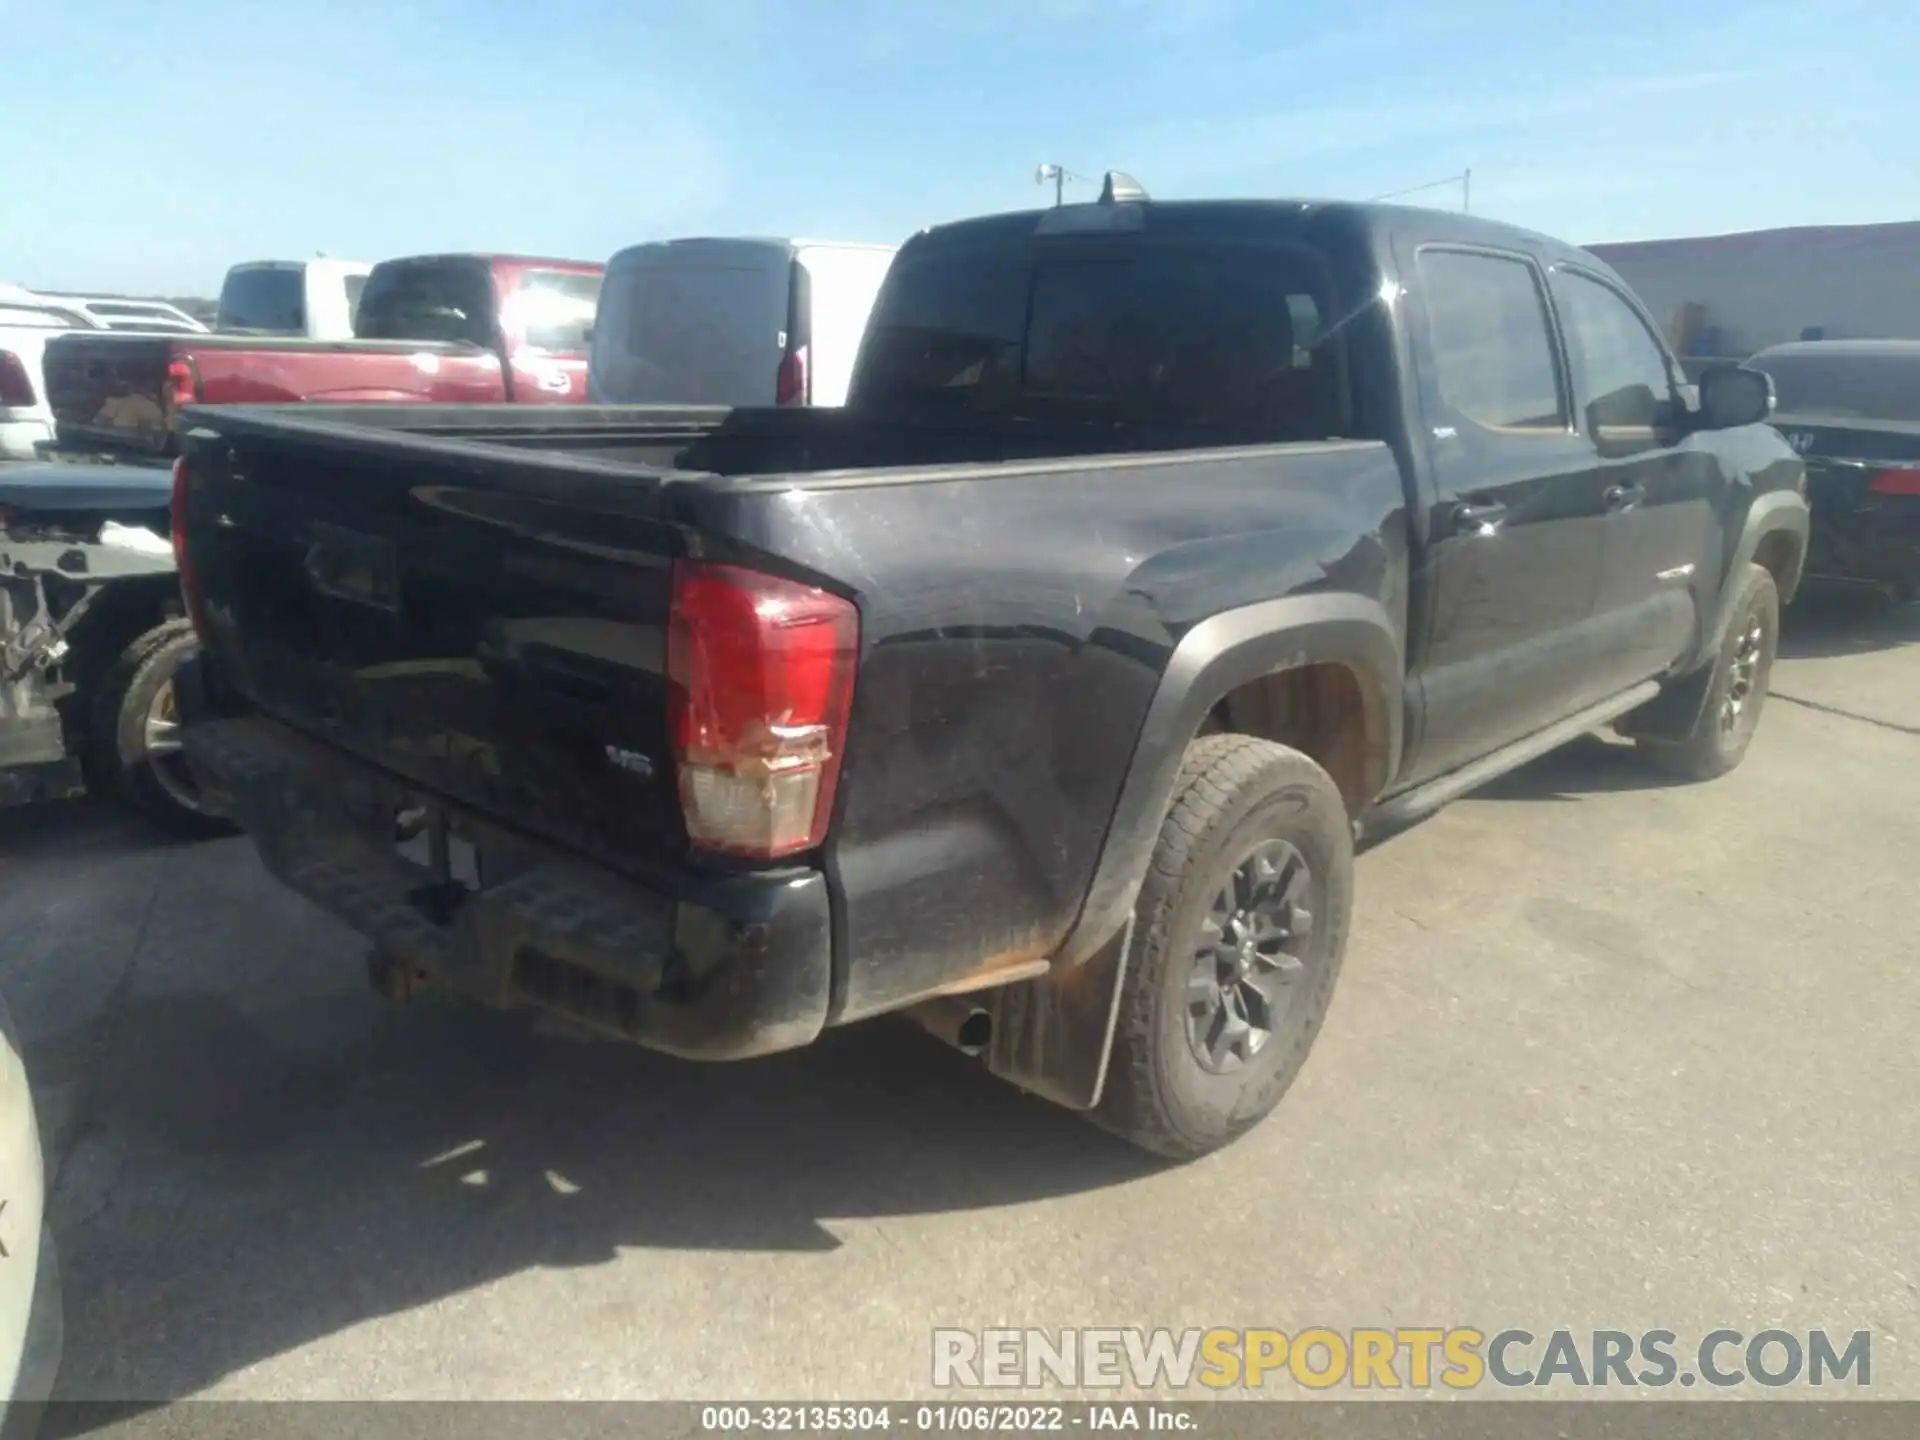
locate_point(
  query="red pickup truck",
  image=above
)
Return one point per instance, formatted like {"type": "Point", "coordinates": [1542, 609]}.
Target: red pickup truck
{"type": "Point", "coordinates": [430, 328]}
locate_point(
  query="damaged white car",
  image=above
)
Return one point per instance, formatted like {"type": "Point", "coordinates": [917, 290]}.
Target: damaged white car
{"type": "Point", "coordinates": [90, 636]}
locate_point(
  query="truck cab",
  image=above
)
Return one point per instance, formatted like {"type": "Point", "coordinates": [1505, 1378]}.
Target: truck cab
{"type": "Point", "coordinates": [317, 299]}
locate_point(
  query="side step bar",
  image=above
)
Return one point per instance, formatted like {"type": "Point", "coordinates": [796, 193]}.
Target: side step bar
{"type": "Point", "coordinates": [1408, 806]}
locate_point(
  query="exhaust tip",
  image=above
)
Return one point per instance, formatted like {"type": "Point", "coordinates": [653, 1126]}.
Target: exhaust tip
{"type": "Point", "coordinates": [963, 1024]}
{"type": "Point", "coordinates": [974, 1034]}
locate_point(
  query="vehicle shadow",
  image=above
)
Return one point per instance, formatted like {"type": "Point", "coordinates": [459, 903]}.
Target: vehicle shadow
{"type": "Point", "coordinates": [1593, 764]}
{"type": "Point", "coordinates": [267, 1155]}
{"type": "Point", "coordinates": [86, 824]}
{"type": "Point", "coordinates": [1823, 623]}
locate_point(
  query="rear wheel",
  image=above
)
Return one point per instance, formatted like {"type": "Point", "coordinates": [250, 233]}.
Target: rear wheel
{"type": "Point", "coordinates": [136, 734]}
{"type": "Point", "coordinates": [1742, 672]}
{"type": "Point", "coordinates": [1237, 942]}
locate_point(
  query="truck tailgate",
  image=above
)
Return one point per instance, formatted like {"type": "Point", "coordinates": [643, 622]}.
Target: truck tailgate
{"type": "Point", "coordinates": [110, 389]}
{"type": "Point", "coordinates": [494, 634]}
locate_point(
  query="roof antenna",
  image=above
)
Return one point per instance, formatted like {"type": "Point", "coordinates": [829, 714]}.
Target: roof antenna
{"type": "Point", "coordinates": [1120, 187]}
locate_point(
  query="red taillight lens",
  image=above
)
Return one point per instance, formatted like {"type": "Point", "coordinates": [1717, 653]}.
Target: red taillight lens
{"type": "Point", "coordinates": [182, 562]}
{"type": "Point", "coordinates": [761, 671]}
{"type": "Point", "coordinates": [790, 386]}
{"type": "Point", "coordinates": [16, 386]}
{"type": "Point", "coordinates": [1903, 480]}
{"type": "Point", "coordinates": [183, 384]}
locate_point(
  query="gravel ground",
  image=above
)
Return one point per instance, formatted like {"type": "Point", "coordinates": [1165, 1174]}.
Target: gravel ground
{"type": "Point", "coordinates": [1607, 1052]}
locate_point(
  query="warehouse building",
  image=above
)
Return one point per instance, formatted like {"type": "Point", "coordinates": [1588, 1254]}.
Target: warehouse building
{"type": "Point", "coordinates": [1727, 296]}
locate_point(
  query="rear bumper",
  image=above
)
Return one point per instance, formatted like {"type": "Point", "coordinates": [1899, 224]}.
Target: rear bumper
{"type": "Point", "coordinates": [1869, 546]}
{"type": "Point", "coordinates": [719, 967]}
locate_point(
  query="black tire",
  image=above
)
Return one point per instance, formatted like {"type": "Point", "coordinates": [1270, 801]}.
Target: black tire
{"type": "Point", "coordinates": [122, 705]}
{"type": "Point", "coordinates": [1235, 794]}
{"type": "Point", "coordinates": [1736, 692]}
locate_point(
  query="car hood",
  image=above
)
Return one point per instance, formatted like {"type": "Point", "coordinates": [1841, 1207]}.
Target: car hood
{"type": "Point", "coordinates": [77, 488]}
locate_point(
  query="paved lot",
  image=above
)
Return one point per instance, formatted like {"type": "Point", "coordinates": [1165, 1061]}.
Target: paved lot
{"type": "Point", "coordinates": [1607, 1053]}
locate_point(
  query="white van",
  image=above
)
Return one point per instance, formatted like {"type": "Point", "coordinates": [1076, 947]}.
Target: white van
{"type": "Point", "coordinates": [315, 298]}
{"type": "Point", "coordinates": [733, 322]}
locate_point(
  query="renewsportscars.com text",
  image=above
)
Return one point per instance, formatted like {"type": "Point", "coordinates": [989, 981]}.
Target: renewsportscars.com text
{"type": "Point", "coordinates": [1401, 1357]}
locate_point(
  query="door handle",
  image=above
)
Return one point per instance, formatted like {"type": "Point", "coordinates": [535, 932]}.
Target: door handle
{"type": "Point", "coordinates": [1622, 497]}
{"type": "Point", "coordinates": [1483, 516]}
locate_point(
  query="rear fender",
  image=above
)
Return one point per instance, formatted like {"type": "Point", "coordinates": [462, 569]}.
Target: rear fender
{"type": "Point", "coordinates": [1052, 1035]}
{"type": "Point", "coordinates": [1215, 658]}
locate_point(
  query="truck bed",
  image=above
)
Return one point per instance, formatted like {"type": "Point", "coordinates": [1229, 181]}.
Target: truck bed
{"type": "Point", "coordinates": [653, 443]}
{"type": "Point", "coordinates": [475, 601]}
{"type": "Point", "coordinates": [115, 392]}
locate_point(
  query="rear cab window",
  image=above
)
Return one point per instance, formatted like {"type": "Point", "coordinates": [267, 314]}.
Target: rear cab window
{"type": "Point", "coordinates": [448, 299]}
{"type": "Point", "coordinates": [1882, 385]}
{"type": "Point", "coordinates": [1112, 330]}
{"type": "Point", "coordinates": [264, 302]}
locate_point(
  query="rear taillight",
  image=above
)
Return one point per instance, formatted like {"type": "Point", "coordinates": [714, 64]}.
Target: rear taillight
{"type": "Point", "coordinates": [16, 386]}
{"type": "Point", "coordinates": [790, 385]}
{"type": "Point", "coordinates": [183, 384]}
{"type": "Point", "coordinates": [182, 562]}
{"type": "Point", "coordinates": [1902, 480]}
{"type": "Point", "coordinates": [761, 671]}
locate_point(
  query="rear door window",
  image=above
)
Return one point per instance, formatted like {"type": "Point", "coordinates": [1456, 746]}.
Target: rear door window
{"type": "Point", "coordinates": [1492, 343]}
{"type": "Point", "coordinates": [556, 309]}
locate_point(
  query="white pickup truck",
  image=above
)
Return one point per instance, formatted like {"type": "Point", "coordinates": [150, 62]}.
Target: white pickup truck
{"type": "Point", "coordinates": [314, 298]}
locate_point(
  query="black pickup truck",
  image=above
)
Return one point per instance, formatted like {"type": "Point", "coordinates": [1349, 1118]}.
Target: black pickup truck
{"type": "Point", "coordinates": [1162, 550]}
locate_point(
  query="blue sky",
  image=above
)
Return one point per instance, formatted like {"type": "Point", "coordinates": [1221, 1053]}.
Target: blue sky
{"type": "Point", "coordinates": [146, 146]}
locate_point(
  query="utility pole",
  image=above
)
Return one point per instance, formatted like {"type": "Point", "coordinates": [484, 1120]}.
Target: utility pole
{"type": "Point", "coordinates": [1059, 175]}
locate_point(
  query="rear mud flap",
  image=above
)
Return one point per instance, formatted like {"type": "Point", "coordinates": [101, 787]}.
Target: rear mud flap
{"type": "Point", "coordinates": [1053, 1035]}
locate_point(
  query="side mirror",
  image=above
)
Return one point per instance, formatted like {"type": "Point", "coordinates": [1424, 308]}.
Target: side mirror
{"type": "Point", "coordinates": [1628, 421]}
{"type": "Point", "coordinates": [1732, 395]}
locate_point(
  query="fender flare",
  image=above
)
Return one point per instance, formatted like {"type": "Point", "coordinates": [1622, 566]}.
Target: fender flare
{"type": "Point", "coordinates": [1213, 659]}
{"type": "Point", "coordinates": [1774, 513]}
{"type": "Point", "coordinates": [1672, 713]}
